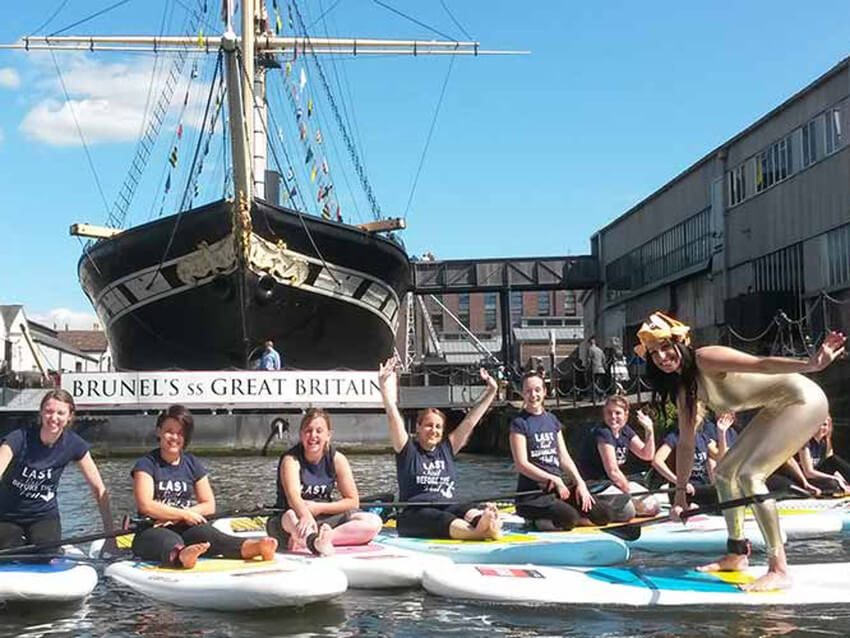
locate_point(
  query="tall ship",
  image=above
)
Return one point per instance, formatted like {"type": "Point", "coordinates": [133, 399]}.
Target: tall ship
{"type": "Point", "coordinates": [272, 257]}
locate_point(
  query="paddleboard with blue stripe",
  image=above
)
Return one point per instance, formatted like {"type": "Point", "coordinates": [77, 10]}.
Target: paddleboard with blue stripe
{"type": "Point", "coordinates": [517, 547]}
{"type": "Point", "coordinates": [825, 583]}
{"type": "Point", "coordinates": [54, 580]}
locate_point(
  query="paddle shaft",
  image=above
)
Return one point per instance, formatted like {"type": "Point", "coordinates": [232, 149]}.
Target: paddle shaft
{"type": "Point", "coordinates": [88, 538]}
{"type": "Point", "coordinates": [631, 531]}
{"type": "Point", "coordinates": [476, 499]}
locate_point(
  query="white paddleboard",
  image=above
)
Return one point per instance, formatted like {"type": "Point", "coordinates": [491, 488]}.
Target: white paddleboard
{"type": "Point", "coordinates": [56, 580]}
{"type": "Point", "coordinates": [370, 566]}
{"type": "Point", "coordinates": [227, 585]}
{"type": "Point", "coordinates": [825, 583]}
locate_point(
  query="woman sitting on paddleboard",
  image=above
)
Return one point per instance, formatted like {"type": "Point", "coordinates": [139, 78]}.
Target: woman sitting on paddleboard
{"type": "Point", "coordinates": [821, 465]}
{"type": "Point", "coordinates": [31, 463]}
{"type": "Point", "coordinates": [306, 477]}
{"type": "Point", "coordinates": [700, 487]}
{"type": "Point", "coordinates": [172, 487]}
{"type": "Point", "coordinates": [540, 454]}
{"type": "Point", "coordinates": [605, 450]}
{"type": "Point", "coordinates": [791, 409]}
{"type": "Point", "coordinates": [425, 468]}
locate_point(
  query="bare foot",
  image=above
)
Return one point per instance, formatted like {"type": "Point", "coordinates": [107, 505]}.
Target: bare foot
{"type": "Point", "coordinates": [489, 525]}
{"type": "Point", "coordinates": [495, 527]}
{"type": "Point", "coordinates": [263, 547]}
{"type": "Point", "coordinates": [771, 581]}
{"type": "Point", "coordinates": [323, 542]}
{"type": "Point", "coordinates": [729, 563]}
{"type": "Point", "coordinates": [188, 556]}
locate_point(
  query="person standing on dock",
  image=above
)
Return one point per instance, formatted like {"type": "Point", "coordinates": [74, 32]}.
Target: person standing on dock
{"type": "Point", "coordinates": [425, 467]}
{"type": "Point", "coordinates": [540, 454]}
{"type": "Point", "coordinates": [270, 360]}
{"type": "Point", "coordinates": [791, 409]}
{"type": "Point", "coordinates": [596, 366]}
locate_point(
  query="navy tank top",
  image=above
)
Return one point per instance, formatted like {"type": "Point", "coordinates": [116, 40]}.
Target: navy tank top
{"type": "Point", "coordinates": [317, 479]}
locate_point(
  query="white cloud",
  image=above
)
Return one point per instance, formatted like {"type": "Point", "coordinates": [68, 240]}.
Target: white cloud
{"type": "Point", "coordinates": [58, 318]}
{"type": "Point", "coordinates": [106, 100]}
{"type": "Point", "coordinates": [9, 78]}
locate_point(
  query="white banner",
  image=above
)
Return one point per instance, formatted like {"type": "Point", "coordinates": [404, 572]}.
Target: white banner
{"type": "Point", "coordinates": [237, 387]}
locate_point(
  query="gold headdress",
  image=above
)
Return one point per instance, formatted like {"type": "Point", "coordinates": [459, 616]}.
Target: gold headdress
{"type": "Point", "coordinates": [661, 327]}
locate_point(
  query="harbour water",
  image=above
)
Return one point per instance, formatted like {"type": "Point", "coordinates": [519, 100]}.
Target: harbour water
{"type": "Point", "coordinates": [240, 482]}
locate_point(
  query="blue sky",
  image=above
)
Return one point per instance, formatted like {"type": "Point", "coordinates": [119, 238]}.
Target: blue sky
{"type": "Point", "coordinates": [530, 154]}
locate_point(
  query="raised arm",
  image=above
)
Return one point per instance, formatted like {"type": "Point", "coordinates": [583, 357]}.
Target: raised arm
{"type": "Point", "coordinates": [460, 435]}
{"type": "Point", "coordinates": [644, 448]}
{"type": "Point", "coordinates": [98, 489]}
{"type": "Point", "coordinates": [719, 359]}
{"type": "Point", "coordinates": [388, 382]}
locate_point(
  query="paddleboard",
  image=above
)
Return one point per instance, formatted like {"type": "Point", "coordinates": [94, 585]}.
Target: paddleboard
{"type": "Point", "coordinates": [553, 548]}
{"type": "Point", "coordinates": [825, 583]}
{"type": "Point", "coordinates": [228, 585]}
{"type": "Point", "coordinates": [370, 566]}
{"type": "Point", "coordinates": [55, 580]}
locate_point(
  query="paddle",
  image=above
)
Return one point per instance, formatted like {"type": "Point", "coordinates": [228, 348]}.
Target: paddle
{"type": "Point", "coordinates": [137, 525]}
{"type": "Point", "coordinates": [477, 499]}
{"type": "Point", "coordinates": [631, 531]}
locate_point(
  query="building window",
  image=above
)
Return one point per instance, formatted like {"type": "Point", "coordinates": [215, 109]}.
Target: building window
{"type": "Point", "coordinates": [490, 311]}
{"type": "Point", "coordinates": [516, 308]}
{"type": "Point", "coordinates": [463, 308]}
{"type": "Point", "coordinates": [810, 143]}
{"type": "Point", "coordinates": [838, 256]}
{"type": "Point", "coordinates": [780, 271]}
{"type": "Point", "coordinates": [544, 307]}
{"type": "Point", "coordinates": [737, 185]}
{"type": "Point", "coordinates": [682, 246]}
{"type": "Point", "coordinates": [832, 122]}
{"type": "Point", "coordinates": [774, 164]}
{"type": "Point", "coordinates": [570, 303]}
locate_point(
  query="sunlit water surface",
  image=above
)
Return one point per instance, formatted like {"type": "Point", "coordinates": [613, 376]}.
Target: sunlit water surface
{"type": "Point", "coordinates": [244, 481]}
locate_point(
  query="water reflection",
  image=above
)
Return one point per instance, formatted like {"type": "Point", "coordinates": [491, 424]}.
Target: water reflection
{"type": "Point", "coordinates": [242, 482]}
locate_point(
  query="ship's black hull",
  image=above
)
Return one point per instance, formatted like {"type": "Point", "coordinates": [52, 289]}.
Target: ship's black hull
{"type": "Point", "coordinates": [202, 309]}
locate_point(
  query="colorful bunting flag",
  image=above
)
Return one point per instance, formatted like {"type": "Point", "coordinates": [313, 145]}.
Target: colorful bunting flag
{"type": "Point", "coordinates": [302, 82]}
{"type": "Point", "coordinates": [288, 69]}
{"type": "Point", "coordinates": [318, 136]}
{"type": "Point", "coordinates": [180, 131]}
{"type": "Point", "coordinates": [201, 39]}
{"type": "Point", "coordinates": [325, 167]}
{"type": "Point", "coordinates": [278, 25]}
{"type": "Point", "coordinates": [309, 156]}
{"type": "Point", "coordinates": [309, 107]}
{"type": "Point", "coordinates": [173, 157]}
{"type": "Point", "coordinates": [290, 174]}
{"type": "Point", "coordinates": [302, 130]}
{"type": "Point", "coordinates": [168, 183]}
{"type": "Point", "coordinates": [313, 172]}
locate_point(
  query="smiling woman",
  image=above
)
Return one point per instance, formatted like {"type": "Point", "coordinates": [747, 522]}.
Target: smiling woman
{"type": "Point", "coordinates": [306, 477]}
{"type": "Point", "coordinates": [32, 461]}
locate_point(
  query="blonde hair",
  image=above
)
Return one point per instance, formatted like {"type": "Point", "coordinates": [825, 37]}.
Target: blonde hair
{"type": "Point", "coordinates": [420, 416]}
{"type": "Point", "coordinates": [619, 400]}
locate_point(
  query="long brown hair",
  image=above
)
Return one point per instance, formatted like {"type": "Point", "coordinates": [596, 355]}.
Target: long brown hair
{"type": "Point", "coordinates": [311, 415]}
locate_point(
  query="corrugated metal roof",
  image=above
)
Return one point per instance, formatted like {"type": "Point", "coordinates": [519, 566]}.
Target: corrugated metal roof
{"type": "Point", "coordinates": [464, 346]}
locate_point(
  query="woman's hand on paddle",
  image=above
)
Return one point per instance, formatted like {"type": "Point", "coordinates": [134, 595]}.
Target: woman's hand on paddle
{"type": "Point", "coordinates": [585, 499]}
{"type": "Point", "coordinates": [191, 517]}
{"type": "Point", "coordinates": [831, 348]}
{"type": "Point", "coordinates": [812, 489]}
{"type": "Point", "coordinates": [558, 486]}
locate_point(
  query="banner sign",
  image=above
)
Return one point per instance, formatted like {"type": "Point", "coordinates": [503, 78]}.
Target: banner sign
{"type": "Point", "coordinates": [228, 387]}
